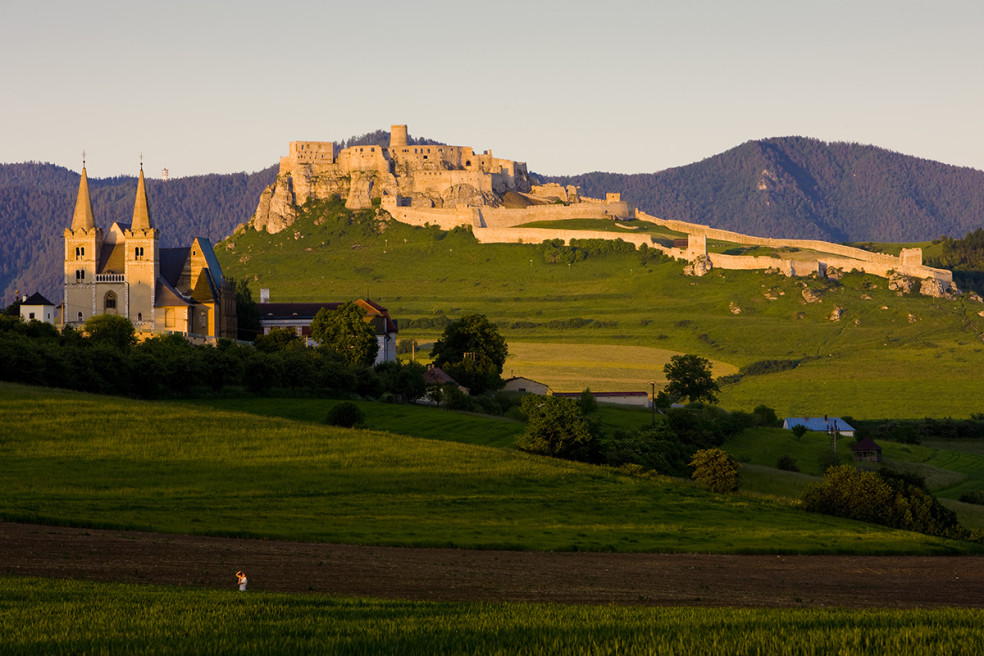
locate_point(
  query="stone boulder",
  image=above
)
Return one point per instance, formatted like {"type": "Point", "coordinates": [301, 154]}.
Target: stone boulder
{"type": "Point", "coordinates": [701, 266]}
{"type": "Point", "coordinates": [901, 284]}
{"type": "Point", "coordinates": [836, 314]}
{"type": "Point", "coordinates": [811, 296]}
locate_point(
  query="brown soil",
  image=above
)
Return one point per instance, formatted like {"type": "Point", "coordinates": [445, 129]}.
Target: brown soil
{"type": "Point", "coordinates": [461, 575]}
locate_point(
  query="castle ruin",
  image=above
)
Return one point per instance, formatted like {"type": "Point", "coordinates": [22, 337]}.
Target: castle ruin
{"type": "Point", "coordinates": [451, 186]}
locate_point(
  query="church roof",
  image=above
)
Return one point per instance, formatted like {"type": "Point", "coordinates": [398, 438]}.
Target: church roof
{"type": "Point", "coordinates": [168, 296]}
{"type": "Point", "coordinates": [141, 209]}
{"type": "Point", "coordinates": [83, 206]}
{"type": "Point", "coordinates": [112, 258]}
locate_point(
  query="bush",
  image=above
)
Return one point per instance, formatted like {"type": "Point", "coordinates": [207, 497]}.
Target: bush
{"type": "Point", "coordinates": [715, 469]}
{"type": "Point", "coordinates": [887, 498]}
{"type": "Point", "coordinates": [976, 497]}
{"type": "Point", "coordinates": [345, 414]}
{"type": "Point", "coordinates": [787, 462]}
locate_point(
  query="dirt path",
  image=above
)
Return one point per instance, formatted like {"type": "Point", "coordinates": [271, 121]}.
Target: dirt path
{"type": "Point", "coordinates": [461, 575]}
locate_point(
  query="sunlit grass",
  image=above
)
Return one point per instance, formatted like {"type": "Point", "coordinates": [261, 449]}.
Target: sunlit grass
{"type": "Point", "coordinates": [880, 360]}
{"type": "Point", "coordinates": [63, 617]}
{"type": "Point", "coordinates": [106, 462]}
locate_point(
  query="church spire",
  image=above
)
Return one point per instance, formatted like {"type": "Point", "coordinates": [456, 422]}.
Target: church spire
{"type": "Point", "coordinates": [83, 206]}
{"type": "Point", "coordinates": [141, 210]}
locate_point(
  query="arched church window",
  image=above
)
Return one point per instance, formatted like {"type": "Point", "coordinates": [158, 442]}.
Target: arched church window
{"type": "Point", "coordinates": [139, 316]}
{"type": "Point", "coordinates": [109, 302]}
{"type": "Point", "coordinates": [169, 318]}
{"type": "Point", "coordinates": [80, 316]}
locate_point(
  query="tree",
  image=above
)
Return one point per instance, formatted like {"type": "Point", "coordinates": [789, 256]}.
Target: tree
{"type": "Point", "coordinates": [111, 330]}
{"type": "Point", "coordinates": [690, 377]}
{"type": "Point", "coordinates": [472, 351]}
{"type": "Point", "coordinates": [346, 332]}
{"type": "Point", "coordinates": [587, 402]}
{"type": "Point", "coordinates": [556, 427]}
{"type": "Point", "coordinates": [278, 339]}
{"type": "Point", "coordinates": [247, 313]}
{"type": "Point", "coordinates": [715, 469]}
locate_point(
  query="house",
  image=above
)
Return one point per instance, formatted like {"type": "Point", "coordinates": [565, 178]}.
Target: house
{"type": "Point", "coordinates": [526, 386]}
{"type": "Point", "coordinates": [820, 425]}
{"type": "Point", "coordinates": [38, 308]}
{"type": "Point", "coordinates": [866, 451]}
{"type": "Point", "coordinates": [640, 399]}
{"type": "Point", "coordinates": [437, 377]}
{"type": "Point", "coordinates": [298, 316]}
{"type": "Point", "coordinates": [124, 272]}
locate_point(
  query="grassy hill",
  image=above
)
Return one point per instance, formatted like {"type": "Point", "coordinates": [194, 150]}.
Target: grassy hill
{"type": "Point", "coordinates": [888, 356]}
{"type": "Point", "coordinates": [83, 460]}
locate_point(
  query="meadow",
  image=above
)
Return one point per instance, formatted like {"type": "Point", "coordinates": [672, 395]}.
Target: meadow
{"type": "Point", "coordinates": [79, 460]}
{"type": "Point", "coordinates": [69, 617]}
{"type": "Point", "coordinates": [888, 356]}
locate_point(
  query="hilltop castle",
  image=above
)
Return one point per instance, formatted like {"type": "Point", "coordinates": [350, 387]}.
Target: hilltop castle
{"type": "Point", "coordinates": [418, 177]}
{"type": "Point", "coordinates": [451, 186]}
{"type": "Point", "coordinates": [126, 273]}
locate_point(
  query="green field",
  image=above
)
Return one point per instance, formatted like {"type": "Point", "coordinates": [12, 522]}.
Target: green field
{"type": "Point", "coordinates": [888, 356]}
{"type": "Point", "coordinates": [48, 617]}
{"type": "Point", "coordinates": [82, 460]}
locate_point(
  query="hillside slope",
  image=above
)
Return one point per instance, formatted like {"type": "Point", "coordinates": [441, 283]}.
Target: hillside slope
{"type": "Point", "coordinates": [796, 187]}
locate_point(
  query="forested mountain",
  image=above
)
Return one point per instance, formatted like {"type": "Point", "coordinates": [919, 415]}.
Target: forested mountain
{"type": "Point", "coordinates": [798, 187]}
{"type": "Point", "coordinates": [37, 202]}
{"type": "Point", "coordinates": [783, 187]}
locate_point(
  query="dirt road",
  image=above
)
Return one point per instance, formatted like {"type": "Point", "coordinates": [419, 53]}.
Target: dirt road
{"type": "Point", "coordinates": [462, 575]}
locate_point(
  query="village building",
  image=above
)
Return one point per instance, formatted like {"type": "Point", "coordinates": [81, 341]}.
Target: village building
{"type": "Point", "coordinates": [640, 399]}
{"type": "Point", "coordinates": [866, 450]}
{"type": "Point", "coordinates": [37, 308]}
{"type": "Point", "coordinates": [525, 385]}
{"type": "Point", "coordinates": [298, 317]}
{"type": "Point", "coordinates": [125, 272]}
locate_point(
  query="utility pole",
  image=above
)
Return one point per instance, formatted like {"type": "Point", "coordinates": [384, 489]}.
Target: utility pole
{"type": "Point", "coordinates": [652, 400]}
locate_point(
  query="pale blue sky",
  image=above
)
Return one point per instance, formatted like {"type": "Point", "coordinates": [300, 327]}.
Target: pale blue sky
{"type": "Point", "coordinates": [568, 87]}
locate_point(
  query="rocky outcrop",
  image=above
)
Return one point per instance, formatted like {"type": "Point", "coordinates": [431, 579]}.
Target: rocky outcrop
{"type": "Point", "coordinates": [464, 194]}
{"type": "Point", "coordinates": [360, 191]}
{"type": "Point", "coordinates": [277, 208]}
{"type": "Point", "coordinates": [933, 287]}
{"type": "Point", "coordinates": [836, 314]}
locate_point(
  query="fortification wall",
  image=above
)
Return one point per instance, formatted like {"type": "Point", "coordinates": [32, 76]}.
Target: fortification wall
{"type": "Point", "coordinates": [499, 217]}
{"type": "Point", "coordinates": [909, 262]}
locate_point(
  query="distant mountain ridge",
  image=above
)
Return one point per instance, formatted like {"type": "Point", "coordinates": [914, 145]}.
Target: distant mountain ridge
{"type": "Point", "coordinates": [797, 187]}
{"type": "Point", "coordinates": [793, 187]}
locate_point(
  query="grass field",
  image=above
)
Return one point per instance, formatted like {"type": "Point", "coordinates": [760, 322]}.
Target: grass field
{"type": "Point", "coordinates": [880, 360]}
{"type": "Point", "coordinates": [66, 617]}
{"type": "Point", "coordinates": [600, 367]}
{"type": "Point", "coordinates": [104, 462]}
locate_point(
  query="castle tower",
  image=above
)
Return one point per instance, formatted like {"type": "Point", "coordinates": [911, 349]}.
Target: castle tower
{"type": "Point", "coordinates": [398, 136]}
{"type": "Point", "coordinates": [83, 243]}
{"type": "Point", "coordinates": [142, 261]}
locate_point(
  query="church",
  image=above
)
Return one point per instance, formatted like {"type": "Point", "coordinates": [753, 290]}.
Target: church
{"type": "Point", "coordinates": [125, 272]}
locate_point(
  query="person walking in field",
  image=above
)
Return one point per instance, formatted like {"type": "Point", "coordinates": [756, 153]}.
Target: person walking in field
{"type": "Point", "coordinates": [241, 579]}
